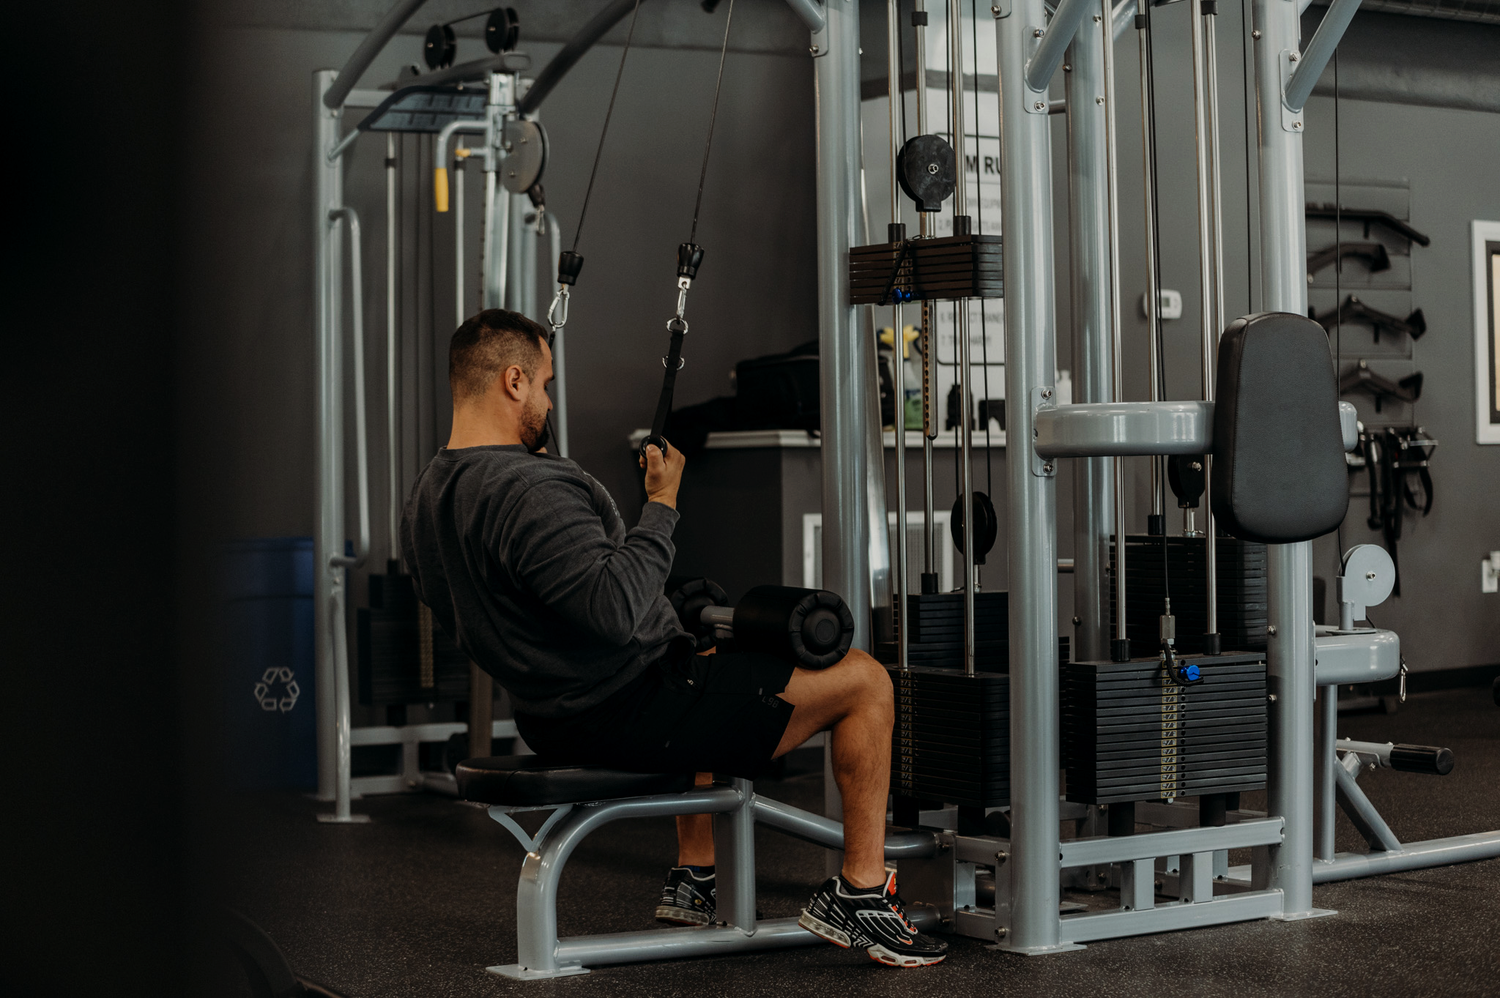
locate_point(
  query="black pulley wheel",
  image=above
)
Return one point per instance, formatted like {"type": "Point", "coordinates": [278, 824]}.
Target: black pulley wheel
{"type": "Point", "coordinates": [502, 30]}
{"type": "Point", "coordinates": [689, 597]}
{"type": "Point", "coordinates": [986, 526]}
{"type": "Point", "coordinates": [927, 172]}
{"type": "Point", "coordinates": [812, 628]}
{"type": "Point", "coordinates": [1185, 475]}
{"type": "Point", "coordinates": [440, 47]}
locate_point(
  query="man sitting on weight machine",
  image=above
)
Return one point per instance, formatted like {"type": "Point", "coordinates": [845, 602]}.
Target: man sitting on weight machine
{"type": "Point", "coordinates": [524, 558]}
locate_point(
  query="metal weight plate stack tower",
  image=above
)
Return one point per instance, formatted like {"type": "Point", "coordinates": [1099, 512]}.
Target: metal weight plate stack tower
{"type": "Point", "coordinates": [1132, 732]}
{"type": "Point", "coordinates": [1241, 575]}
{"type": "Point", "coordinates": [952, 737]}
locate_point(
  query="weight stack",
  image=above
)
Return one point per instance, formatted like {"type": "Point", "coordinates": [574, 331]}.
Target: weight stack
{"type": "Point", "coordinates": [1242, 592]}
{"type": "Point", "coordinates": [937, 632]}
{"type": "Point", "coordinates": [966, 266]}
{"type": "Point", "coordinates": [952, 737]}
{"type": "Point", "coordinates": [1131, 733]}
{"type": "Point", "coordinates": [391, 659]}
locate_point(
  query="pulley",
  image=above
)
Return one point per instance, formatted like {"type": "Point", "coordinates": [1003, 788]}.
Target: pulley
{"type": "Point", "coordinates": [440, 47]}
{"type": "Point", "coordinates": [927, 171]}
{"type": "Point", "coordinates": [986, 526]}
{"type": "Point", "coordinates": [502, 30]}
{"type": "Point", "coordinates": [525, 155]}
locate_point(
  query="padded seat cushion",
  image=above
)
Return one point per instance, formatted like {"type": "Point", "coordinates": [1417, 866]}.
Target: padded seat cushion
{"type": "Point", "coordinates": [531, 781]}
{"type": "Point", "coordinates": [1279, 474]}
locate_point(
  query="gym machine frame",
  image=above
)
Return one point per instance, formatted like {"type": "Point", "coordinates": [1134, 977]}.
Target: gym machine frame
{"type": "Point", "coordinates": [1033, 862]}
{"type": "Point", "coordinates": [509, 271]}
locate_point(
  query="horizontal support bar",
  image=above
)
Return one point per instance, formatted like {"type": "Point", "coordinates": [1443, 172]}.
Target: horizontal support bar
{"type": "Point", "coordinates": [1170, 917]}
{"type": "Point", "coordinates": [1125, 429]}
{"type": "Point", "coordinates": [1412, 856]}
{"type": "Point", "coordinates": [1356, 657]}
{"type": "Point", "coordinates": [828, 833]}
{"type": "Point", "coordinates": [1125, 848]}
{"type": "Point", "coordinates": [707, 940]}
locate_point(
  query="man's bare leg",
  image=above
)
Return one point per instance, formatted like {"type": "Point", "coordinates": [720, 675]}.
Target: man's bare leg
{"type": "Point", "coordinates": [695, 833]}
{"type": "Point", "coordinates": [852, 700]}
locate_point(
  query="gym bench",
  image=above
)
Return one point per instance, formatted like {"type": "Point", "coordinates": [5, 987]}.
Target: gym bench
{"type": "Point", "coordinates": [583, 799]}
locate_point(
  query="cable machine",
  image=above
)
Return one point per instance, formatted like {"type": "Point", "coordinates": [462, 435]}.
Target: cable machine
{"type": "Point", "coordinates": [1138, 725]}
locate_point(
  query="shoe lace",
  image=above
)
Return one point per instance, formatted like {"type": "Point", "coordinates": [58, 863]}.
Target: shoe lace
{"type": "Point", "coordinates": [898, 906]}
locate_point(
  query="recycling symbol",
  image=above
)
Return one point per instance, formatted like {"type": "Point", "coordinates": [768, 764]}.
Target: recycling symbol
{"type": "Point", "coordinates": [269, 697]}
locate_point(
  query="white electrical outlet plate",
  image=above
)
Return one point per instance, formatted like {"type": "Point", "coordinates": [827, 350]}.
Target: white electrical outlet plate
{"type": "Point", "coordinates": [1489, 573]}
{"type": "Point", "coordinates": [1171, 304]}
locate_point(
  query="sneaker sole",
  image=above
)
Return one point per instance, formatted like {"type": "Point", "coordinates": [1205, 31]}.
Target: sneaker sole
{"type": "Point", "coordinates": [823, 930]}
{"type": "Point", "coordinates": [681, 916]}
{"type": "Point", "coordinates": [890, 959]}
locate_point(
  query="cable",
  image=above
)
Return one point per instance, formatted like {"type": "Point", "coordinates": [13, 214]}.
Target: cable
{"type": "Point", "coordinates": [1160, 331]}
{"type": "Point", "coordinates": [713, 117]}
{"type": "Point", "coordinates": [608, 113]}
{"type": "Point", "coordinates": [984, 342]}
{"type": "Point", "coordinates": [1338, 267]}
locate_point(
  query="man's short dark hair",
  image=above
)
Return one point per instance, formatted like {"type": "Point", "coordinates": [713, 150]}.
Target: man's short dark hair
{"type": "Point", "coordinates": [487, 344]}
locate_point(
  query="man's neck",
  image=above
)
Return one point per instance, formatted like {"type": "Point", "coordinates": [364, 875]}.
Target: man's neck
{"type": "Point", "coordinates": [480, 429]}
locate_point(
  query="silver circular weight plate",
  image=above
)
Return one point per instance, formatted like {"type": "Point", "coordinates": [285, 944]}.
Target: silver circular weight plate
{"type": "Point", "coordinates": [1369, 574]}
{"type": "Point", "coordinates": [526, 157]}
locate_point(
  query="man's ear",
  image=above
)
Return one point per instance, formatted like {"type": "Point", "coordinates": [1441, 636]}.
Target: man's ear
{"type": "Point", "coordinates": [511, 380]}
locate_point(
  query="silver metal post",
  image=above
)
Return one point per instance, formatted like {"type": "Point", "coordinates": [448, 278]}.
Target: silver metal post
{"type": "Point", "coordinates": [460, 307]}
{"type": "Point", "coordinates": [929, 370]}
{"type": "Point", "coordinates": [1153, 279]}
{"type": "Point", "coordinates": [965, 427]}
{"type": "Point", "coordinates": [496, 198]}
{"type": "Point", "coordinates": [1216, 185]}
{"type": "Point", "coordinates": [1106, 30]}
{"type": "Point", "coordinates": [1093, 344]}
{"type": "Point", "coordinates": [392, 353]}
{"type": "Point", "coordinates": [1325, 757]}
{"type": "Point", "coordinates": [329, 458]}
{"type": "Point", "coordinates": [898, 340]}
{"type": "Point", "coordinates": [734, 840]}
{"type": "Point", "coordinates": [1289, 789]}
{"type": "Point", "coordinates": [1030, 512]}
{"type": "Point", "coordinates": [1207, 236]}
{"type": "Point", "coordinates": [520, 285]}
{"type": "Point", "coordinates": [845, 353]}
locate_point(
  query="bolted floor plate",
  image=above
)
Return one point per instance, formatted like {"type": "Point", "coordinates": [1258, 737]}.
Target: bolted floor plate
{"type": "Point", "coordinates": [520, 973]}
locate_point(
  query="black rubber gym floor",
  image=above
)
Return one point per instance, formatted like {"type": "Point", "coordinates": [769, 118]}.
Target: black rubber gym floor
{"type": "Point", "coordinates": [421, 900]}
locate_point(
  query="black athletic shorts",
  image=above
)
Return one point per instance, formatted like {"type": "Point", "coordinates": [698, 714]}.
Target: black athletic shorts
{"type": "Point", "coordinates": [686, 713]}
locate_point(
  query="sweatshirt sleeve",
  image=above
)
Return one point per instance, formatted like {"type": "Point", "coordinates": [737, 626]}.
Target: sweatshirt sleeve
{"type": "Point", "coordinates": [555, 545]}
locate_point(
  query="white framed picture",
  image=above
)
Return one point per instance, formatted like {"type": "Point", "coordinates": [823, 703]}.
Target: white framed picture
{"type": "Point", "coordinates": [1487, 331]}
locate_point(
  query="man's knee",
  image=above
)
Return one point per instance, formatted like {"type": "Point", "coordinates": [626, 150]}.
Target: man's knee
{"type": "Point", "coordinates": [868, 682]}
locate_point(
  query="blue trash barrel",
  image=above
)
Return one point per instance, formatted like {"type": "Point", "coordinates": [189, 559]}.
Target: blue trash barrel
{"type": "Point", "coordinates": [269, 698]}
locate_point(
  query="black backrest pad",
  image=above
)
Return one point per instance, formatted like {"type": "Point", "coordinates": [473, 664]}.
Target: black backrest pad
{"type": "Point", "coordinates": [1278, 471]}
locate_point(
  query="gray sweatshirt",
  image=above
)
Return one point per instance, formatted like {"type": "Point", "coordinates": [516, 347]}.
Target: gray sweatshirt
{"type": "Point", "coordinates": [525, 560]}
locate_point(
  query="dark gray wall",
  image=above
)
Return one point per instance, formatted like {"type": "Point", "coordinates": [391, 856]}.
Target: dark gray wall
{"type": "Point", "coordinates": [250, 289]}
{"type": "Point", "coordinates": [250, 285]}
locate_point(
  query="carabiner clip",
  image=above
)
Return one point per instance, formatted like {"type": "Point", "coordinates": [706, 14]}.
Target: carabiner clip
{"type": "Point", "coordinates": [557, 312]}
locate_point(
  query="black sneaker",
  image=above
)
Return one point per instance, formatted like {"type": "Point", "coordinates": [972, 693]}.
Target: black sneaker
{"type": "Point", "coordinates": [687, 898]}
{"type": "Point", "coordinates": [873, 918]}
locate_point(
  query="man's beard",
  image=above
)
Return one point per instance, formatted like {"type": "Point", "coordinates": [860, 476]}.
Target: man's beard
{"type": "Point", "coordinates": [534, 433]}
